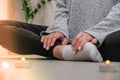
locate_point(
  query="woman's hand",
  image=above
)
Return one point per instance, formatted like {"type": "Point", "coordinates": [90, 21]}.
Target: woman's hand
{"type": "Point", "coordinates": [81, 39]}
{"type": "Point", "coordinates": [49, 40]}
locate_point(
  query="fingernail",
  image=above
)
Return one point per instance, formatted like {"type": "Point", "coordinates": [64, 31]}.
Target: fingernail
{"type": "Point", "coordinates": [41, 40]}
{"type": "Point", "coordinates": [47, 48]}
{"type": "Point", "coordinates": [44, 46]}
{"type": "Point", "coordinates": [51, 44]}
{"type": "Point", "coordinates": [79, 48]}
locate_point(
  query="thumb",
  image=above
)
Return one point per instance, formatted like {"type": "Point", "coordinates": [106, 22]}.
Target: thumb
{"type": "Point", "coordinates": [94, 41]}
{"type": "Point", "coordinates": [65, 41]}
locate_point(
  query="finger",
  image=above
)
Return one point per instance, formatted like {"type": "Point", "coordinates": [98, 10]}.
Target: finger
{"type": "Point", "coordinates": [65, 41]}
{"type": "Point", "coordinates": [48, 44]}
{"type": "Point", "coordinates": [42, 38]}
{"type": "Point", "coordinates": [81, 45]}
{"type": "Point", "coordinates": [44, 42]}
{"type": "Point", "coordinates": [75, 49]}
{"type": "Point", "coordinates": [57, 35]}
{"type": "Point", "coordinates": [75, 40]}
{"type": "Point", "coordinates": [49, 41]}
{"type": "Point", "coordinates": [53, 41]}
{"type": "Point", "coordinates": [94, 41]}
{"type": "Point", "coordinates": [81, 42]}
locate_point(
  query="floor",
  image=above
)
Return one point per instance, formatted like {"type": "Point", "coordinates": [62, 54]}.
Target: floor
{"type": "Point", "coordinates": [45, 69]}
{"type": "Point", "coordinates": [39, 68]}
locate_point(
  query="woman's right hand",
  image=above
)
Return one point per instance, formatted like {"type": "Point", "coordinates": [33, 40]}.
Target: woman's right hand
{"type": "Point", "coordinates": [49, 40]}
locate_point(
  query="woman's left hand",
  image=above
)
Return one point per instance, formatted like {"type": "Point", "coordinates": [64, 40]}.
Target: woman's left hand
{"type": "Point", "coordinates": [80, 40]}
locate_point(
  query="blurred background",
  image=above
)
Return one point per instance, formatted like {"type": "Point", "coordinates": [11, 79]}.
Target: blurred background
{"type": "Point", "coordinates": [12, 10]}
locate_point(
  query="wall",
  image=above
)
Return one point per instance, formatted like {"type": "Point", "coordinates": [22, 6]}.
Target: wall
{"type": "Point", "coordinates": [3, 9]}
{"type": "Point", "coordinates": [44, 17]}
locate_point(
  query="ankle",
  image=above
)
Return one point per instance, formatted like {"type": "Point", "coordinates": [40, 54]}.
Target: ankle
{"type": "Point", "coordinates": [57, 52]}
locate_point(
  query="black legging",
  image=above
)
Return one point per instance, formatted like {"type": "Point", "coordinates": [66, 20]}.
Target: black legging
{"type": "Point", "coordinates": [24, 38]}
{"type": "Point", "coordinates": [110, 49]}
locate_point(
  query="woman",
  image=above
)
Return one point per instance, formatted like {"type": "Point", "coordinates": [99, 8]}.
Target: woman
{"type": "Point", "coordinates": [82, 24]}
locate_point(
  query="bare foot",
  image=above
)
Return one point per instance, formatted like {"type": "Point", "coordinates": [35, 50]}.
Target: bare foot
{"type": "Point", "coordinates": [57, 52]}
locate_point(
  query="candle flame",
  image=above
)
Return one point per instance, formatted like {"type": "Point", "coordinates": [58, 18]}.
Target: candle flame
{"type": "Point", "coordinates": [5, 65]}
{"type": "Point", "coordinates": [23, 59]}
{"type": "Point", "coordinates": [108, 62]}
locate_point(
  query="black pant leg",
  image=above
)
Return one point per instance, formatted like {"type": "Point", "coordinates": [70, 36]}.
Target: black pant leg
{"type": "Point", "coordinates": [31, 27]}
{"type": "Point", "coordinates": [110, 49]}
{"type": "Point", "coordinates": [23, 38]}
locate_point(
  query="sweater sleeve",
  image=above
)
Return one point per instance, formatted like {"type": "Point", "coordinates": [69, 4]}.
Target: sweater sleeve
{"type": "Point", "coordinates": [61, 19]}
{"type": "Point", "coordinates": [109, 24]}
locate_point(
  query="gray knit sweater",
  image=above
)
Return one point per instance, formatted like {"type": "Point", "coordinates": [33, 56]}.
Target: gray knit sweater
{"type": "Point", "coordinates": [96, 17]}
